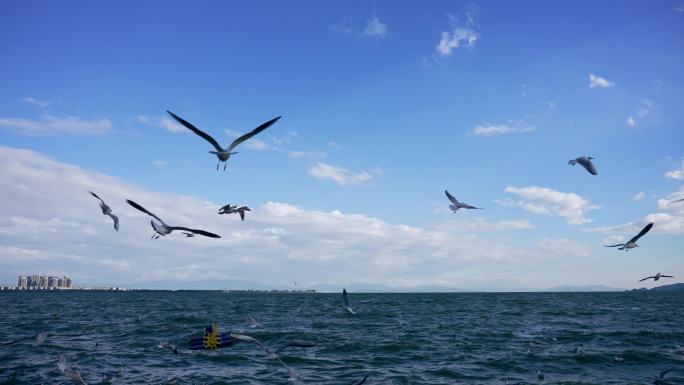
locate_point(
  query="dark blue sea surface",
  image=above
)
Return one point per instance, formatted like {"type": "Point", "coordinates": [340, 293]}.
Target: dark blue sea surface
{"type": "Point", "coordinates": [469, 338]}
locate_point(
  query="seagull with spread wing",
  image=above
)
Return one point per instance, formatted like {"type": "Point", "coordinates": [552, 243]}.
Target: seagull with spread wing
{"type": "Point", "coordinates": [161, 229]}
{"type": "Point", "coordinates": [106, 210]}
{"type": "Point", "coordinates": [657, 277]}
{"type": "Point", "coordinates": [232, 209]}
{"type": "Point", "coordinates": [223, 154]}
{"type": "Point", "coordinates": [347, 306]}
{"type": "Point", "coordinates": [458, 205]}
{"type": "Point", "coordinates": [632, 242]}
{"type": "Point", "coordinates": [585, 161]}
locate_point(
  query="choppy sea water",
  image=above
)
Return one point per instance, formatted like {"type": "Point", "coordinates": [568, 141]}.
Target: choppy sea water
{"type": "Point", "coordinates": [469, 338]}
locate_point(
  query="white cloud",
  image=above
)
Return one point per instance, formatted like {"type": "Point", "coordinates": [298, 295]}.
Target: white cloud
{"type": "Point", "coordinates": [163, 122]}
{"type": "Point", "coordinates": [639, 196]}
{"type": "Point", "coordinates": [458, 37]}
{"type": "Point", "coordinates": [676, 173]}
{"type": "Point", "coordinates": [669, 218]}
{"type": "Point", "coordinates": [287, 139]}
{"type": "Point", "coordinates": [375, 28]}
{"type": "Point", "coordinates": [488, 130]}
{"type": "Point", "coordinates": [306, 154]}
{"type": "Point", "coordinates": [645, 108]}
{"type": "Point", "coordinates": [597, 81]}
{"type": "Point", "coordinates": [276, 240]}
{"type": "Point", "coordinates": [160, 163]}
{"type": "Point", "coordinates": [340, 175]}
{"type": "Point", "coordinates": [36, 102]}
{"type": "Point", "coordinates": [50, 124]}
{"type": "Point", "coordinates": [545, 201]}
{"type": "Point", "coordinates": [630, 121]}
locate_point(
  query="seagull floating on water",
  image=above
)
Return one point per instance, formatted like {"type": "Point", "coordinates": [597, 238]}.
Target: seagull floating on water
{"type": "Point", "coordinates": [230, 209]}
{"type": "Point", "coordinates": [585, 161]}
{"type": "Point", "coordinates": [346, 302]}
{"type": "Point", "coordinates": [632, 242]}
{"type": "Point", "coordinates": [657, 277]}
{"type": "Point", "coordinates": [221, 153]}
{"type": "Point", "coordinates": [458, 205]}
{"type": "Point", "coordinates": [161, 229]}
{"type": "Point", "coordinates": [106, 210]}
{"type": "Point", "coordinates": [171, 347]}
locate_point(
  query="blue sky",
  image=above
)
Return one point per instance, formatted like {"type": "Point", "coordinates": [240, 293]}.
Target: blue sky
{"type": "Point", "coordinates": [384, 106]}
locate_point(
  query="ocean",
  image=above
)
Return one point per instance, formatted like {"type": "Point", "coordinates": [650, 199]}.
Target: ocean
{"type": "Point", "coordinates": [446, 338]}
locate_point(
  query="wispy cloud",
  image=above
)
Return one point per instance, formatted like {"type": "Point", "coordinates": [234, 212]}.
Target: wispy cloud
{"type": "Point", "coordinates": [639, 196]}
{"type": "Point", "coordinates": [340, 175]}
{"type": "Point", "coordinates": [677, 173]}
{"type": "Point", "coordinates": [50, 125]}
{"type": "Point", "coordinates": [599, 82]}
{"type": "Point", "coordinates": [160, 163]}
{"type": "Point", "coordinates": [307, 154]}
{"type": "Point", "coordinates": [645, 109]}
{"type": "Point", "coordinates": [36, 102]}
{"type": "Point", "coordinates": [630, 121]}
{"type": "Point", "coordinates": [163, 122]}
{"type": "Point", "coordinates": [459, 36]}
{"type": "Point", "coordinates": [488, 130]}
{"type": "Point", "coordinates": [545, 201]}
{"type": "Point", "coordinates": [375, 28]}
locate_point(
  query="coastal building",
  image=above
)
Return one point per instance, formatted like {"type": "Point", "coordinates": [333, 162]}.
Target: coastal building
{"type": "Point", "coordinates": [43, 282]}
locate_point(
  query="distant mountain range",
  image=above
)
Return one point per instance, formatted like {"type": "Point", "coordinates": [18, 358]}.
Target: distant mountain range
{"type": "Point", "coordinates": [672, 287]}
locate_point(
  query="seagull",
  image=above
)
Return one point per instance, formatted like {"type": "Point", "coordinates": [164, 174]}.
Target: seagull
{"type": "Point", "coordinates": [253, 323]}
{"type": "Point", "coordinates": [61, 363]}
{"type": "Point", "coordinates": [106, 210]}
{"type": "Point", "coordinates": [65, 368]}
{"type": "Point", "coordinates": [632, 242]}
{"type": "Point", "coordinates": [229, 209]}
{"type": "Point", "coordinates": [171, 347]}
{"type": "Point", "coordinates": [661, 377]}
{"type": "Point", "coordinates": [346, 302]}
{"type": "Point", "coordinates": [272, 354]}
{"type": "Point", "coordinates": [161, 229]}
{"type": "Point", "coordinates": [221, 153]}
{"type": "Point", "coordinates": [585, 161]}
{"type": "Point", "coordinates": [657, 277]}
{"type": "Point", "coordinates": [458, 205]}
{"type": "Point", "coordinates": [678, 200]}
{"type": "Point", "coordinates": [540, 375]}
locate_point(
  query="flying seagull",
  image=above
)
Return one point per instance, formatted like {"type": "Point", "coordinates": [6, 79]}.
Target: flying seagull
{"type": "Point", "coordinates": [161, 229]}
{"type": "Point", "coordinates": [106, 210]}
{"type": "Point", "coordinates": [678, 200]}
{"type": "Point", "coordinates": [585, 161]}
{"type": "Point", "coordinates": [346, 302]}
{"type": "Point", "coordinates": [229, 209]}
{"type": "Point", "coordinates": [458, 205]}
{"type": "Point", "coordinates": [657, 277]}
{"type": "Point", "coordinates": [660, 379]}
{"type": "Point", "coordinates": [632, 242]}
{"type": "Point", "coordinates": [221, 153]}
{"type": "Point", "coordinates": [252, 322]}
{"type": "Point", "coordinates": [65, 368]}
